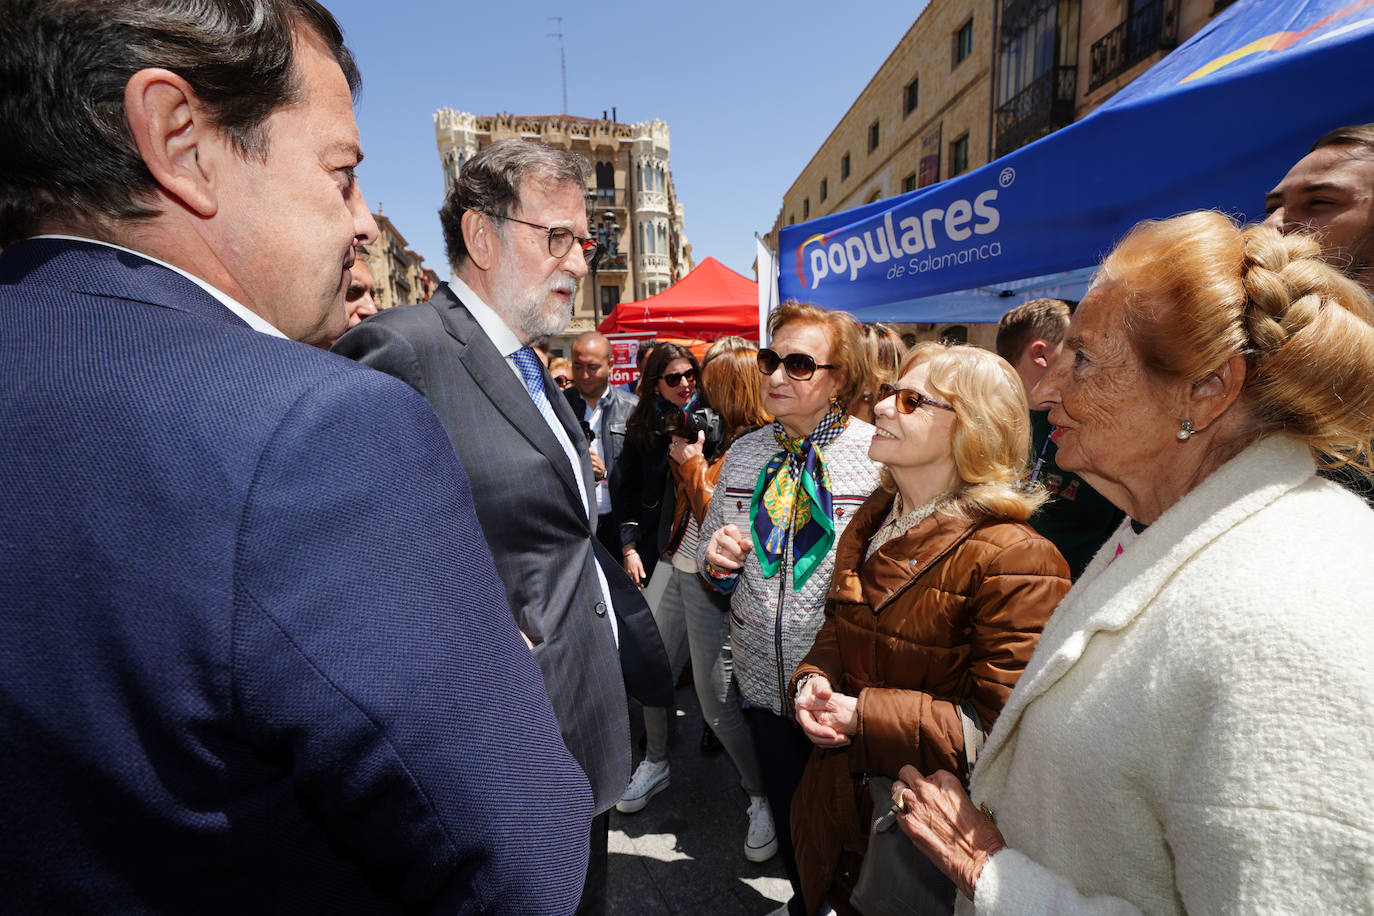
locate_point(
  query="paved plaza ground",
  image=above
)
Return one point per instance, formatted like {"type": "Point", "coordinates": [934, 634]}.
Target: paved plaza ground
{"type": "Point", "coordinates": [684, 853]}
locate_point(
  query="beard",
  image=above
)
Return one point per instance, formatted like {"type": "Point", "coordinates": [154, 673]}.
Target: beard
{"type": "Point", "coordinates": [532, 310]}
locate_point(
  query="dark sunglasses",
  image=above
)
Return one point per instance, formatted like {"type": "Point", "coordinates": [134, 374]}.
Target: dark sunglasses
{"type": "Point", "coordinates": [672, 378]}
{"type": "Point", "coordinates": [562, 381]}
{"type": "Point", "coordinates": [907, 401]}
{"type": "Point", "coordinates": [799, 366]}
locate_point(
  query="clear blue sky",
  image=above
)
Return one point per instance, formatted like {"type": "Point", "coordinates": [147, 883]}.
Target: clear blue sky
{"type": "Point", "coordinates": [750, 90]}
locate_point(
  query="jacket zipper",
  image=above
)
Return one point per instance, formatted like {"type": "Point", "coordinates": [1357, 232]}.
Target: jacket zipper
{"type": "Point", "coordinates": [783, 570]}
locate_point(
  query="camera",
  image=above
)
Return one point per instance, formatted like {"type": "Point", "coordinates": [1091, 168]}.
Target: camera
{"type": "Point", "coordinates": [685, 424]}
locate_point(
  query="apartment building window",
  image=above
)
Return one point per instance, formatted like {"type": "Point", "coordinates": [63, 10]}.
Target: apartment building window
{"type": "Point", "coordinates": [825, 188]}
{"type": "Point", "coordinates": [873, 136]}
{"type": "Point", "coordinates": [963, 42]}
{"type": "Point", "coordinates": [791, 219]}
{"type": "Point", "coordinates": [1037, 73]}
{"type": "Point", "coordinates": [909, 183]}
{"type": "Point", "coordinates": [844, 167]}
{"type": "Point", "coordinates": [876, 196]}
{"type": "Point", "coordinates": [605, 176]}
{"type": "Point", "coordinates": [911, 97]}
{"type": "Point", "coordinates": [610, 298]}
{"type": "Point", "coordinates": [958, 156]}
{"type": "Point", "coordinates": [806, 208]}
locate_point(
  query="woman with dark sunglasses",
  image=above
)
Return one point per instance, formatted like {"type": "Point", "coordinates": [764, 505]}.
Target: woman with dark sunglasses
{"type": "Point", "coordinates": [785, 495]}
{"type": "Point", "coordinates": [731, 381]}
{"type": "Point", "coordinates": [939, 595]}
{"type": "Point", "coordinates": [885, 352]}
{"type": "Point", "coordinates": [644, 498]}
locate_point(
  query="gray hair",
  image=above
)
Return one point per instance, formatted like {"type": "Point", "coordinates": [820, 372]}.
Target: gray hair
{"type": "Point", "coordinates": [65, 148]}
{"type": "Point", "coordinates": [491, 181]}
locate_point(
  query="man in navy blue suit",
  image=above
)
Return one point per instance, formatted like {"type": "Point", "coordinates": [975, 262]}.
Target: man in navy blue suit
{"type": "Point", "coordinates": [206, 703]}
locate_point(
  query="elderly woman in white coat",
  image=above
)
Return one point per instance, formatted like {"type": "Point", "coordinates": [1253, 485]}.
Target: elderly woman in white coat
{"type": "Point", "coordinates": [1195, 731]}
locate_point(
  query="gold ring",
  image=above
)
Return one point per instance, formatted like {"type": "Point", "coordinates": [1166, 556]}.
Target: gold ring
{"type": "Point", "coordinates": [898, 801]}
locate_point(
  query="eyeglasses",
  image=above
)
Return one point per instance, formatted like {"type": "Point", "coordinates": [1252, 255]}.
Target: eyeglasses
{"type": "Point", "coordinates": [672, 378]}
{"type": "Point", "coordinates": [562, 381]}
{"type": "Point", "coordinates": [907, 401]}
{"type": "Point", "coordinates": [561, 240]}
{"type": "Point", "coordinates": [799, 366]}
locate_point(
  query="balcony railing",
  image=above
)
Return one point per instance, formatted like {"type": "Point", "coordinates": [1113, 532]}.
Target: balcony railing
{"type": "Point", "coordinates": [613, 262]}
{"type": "Point", "coordinates": [601, 198]}
{"type": "Point", "coordinates": [1044, 106]}
{"type": "Point", "coordinates": [653, 200]}
{"type": "Point", "coordinates": [653, 263]}
{"type": "Point", "coordinates": [1151, 28]}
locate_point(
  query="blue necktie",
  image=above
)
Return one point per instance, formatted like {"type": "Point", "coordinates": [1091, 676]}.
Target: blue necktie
{"type": "Point", "coordinates": [532, 374]}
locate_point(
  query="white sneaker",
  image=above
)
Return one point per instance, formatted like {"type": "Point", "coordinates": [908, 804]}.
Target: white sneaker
{"type": "Point", "coordinates": [761, 842]}
{"type": "Point", "coordinates": [649, 780]}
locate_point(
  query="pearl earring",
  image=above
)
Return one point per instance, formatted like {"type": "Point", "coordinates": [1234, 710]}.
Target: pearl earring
{"type": "Point", "coordinates": [1185, 430]}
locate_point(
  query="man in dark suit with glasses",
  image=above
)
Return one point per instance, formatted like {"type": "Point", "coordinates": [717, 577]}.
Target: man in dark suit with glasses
{"type": "Point", "coordinates": [515, 225]}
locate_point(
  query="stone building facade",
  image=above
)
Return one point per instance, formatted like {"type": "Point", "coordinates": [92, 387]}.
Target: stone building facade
{"type": "Point", "coordinates": [922, 118]}
{"type": "Point", "coordinates": [399, 273]}
{"type": "Point", "coordinates": [1057, 60]}
{"type": "Point", "coordinates": [973, 80]}
{"type": "Point", "coordinates": [632, 206]}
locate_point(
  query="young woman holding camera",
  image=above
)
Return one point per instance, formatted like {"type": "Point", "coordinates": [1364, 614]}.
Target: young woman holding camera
{"type": "Point", "coordinates": [644, 496]}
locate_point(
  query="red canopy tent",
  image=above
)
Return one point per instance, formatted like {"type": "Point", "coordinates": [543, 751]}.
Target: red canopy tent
{"type": "Point", "coordinates": [710, 302]}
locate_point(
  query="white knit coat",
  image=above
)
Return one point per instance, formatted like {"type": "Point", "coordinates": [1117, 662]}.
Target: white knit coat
{"type": "Point", "coordinates": [1195, 732]}
{"type": "Point", "coordinates": [768, 615]}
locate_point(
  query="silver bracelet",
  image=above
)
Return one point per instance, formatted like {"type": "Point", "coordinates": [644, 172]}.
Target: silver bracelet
{"type": "Point", "coordinates": [802, 683]}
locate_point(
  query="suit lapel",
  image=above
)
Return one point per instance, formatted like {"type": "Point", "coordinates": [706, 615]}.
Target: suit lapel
{"type": "Point", "coordinates": [576, 402]}
{"type": "Point", "coordinates": [499, 384]}
{"type": "Point", "coordinates": [573, 427]}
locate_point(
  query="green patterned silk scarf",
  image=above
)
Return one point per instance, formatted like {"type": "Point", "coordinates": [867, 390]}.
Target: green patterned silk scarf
{"type": "Point", "coordinates": [792, 496]}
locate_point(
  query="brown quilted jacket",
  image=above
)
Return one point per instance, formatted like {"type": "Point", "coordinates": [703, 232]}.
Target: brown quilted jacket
{"type": "Point", "coordinates": [696, 482]}
{"type": "Point", "coordinates": [950, 611]}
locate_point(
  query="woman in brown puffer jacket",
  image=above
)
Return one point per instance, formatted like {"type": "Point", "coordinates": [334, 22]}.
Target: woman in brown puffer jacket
{"type": "Point", "coordinates": [939, 595]}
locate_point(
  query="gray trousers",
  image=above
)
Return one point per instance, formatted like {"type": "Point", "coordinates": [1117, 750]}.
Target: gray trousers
{"type": "Point", "coordinates": [692, 619]}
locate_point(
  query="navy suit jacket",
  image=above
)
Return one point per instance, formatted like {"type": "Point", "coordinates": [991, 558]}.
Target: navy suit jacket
{"type": "Point", "coordinates": [255, 657]}
{"type": "Point", "coordinates": [532, 509]}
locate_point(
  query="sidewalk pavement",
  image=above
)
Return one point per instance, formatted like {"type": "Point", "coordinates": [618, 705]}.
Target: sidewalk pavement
{"type": "Point", "coordinates": [684, 852]}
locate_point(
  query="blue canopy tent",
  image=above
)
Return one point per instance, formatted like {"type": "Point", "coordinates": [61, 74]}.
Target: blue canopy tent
{"type": "Point", "coordinates": [1215, 124]}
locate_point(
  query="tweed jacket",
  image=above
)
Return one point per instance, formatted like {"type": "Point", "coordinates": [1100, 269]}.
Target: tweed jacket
{"type": "Point", "coordinates": [948, 612]}
{"type": "Point", "coordinates": [1195, 731]}
{"type": "Point", "coordinates": [767, 614]}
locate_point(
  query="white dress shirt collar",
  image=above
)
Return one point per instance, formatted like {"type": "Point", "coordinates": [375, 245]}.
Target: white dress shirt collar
{"type": "Point", "coordinates": [495, 327]}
